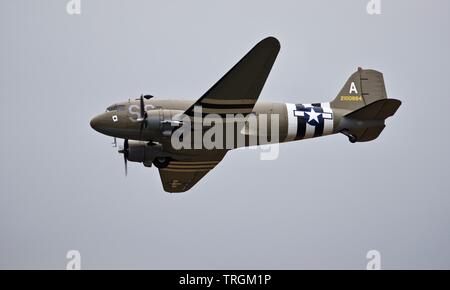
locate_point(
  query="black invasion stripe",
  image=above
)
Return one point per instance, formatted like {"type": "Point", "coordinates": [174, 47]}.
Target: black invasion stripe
{"type": "Point", "coordinates": [301, 123]}
{"type": "Point", "coordinates": [319, 128]}
{"type": "Point", "coordinates": [227, 106]}
{"type": "Point", "coordinates": [316, 105]}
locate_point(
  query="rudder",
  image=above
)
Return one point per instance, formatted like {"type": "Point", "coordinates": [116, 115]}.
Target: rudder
{"type": "Point", "coordinates": [364, 87]}
{"type": "Point", "coordinates": [363, 106]}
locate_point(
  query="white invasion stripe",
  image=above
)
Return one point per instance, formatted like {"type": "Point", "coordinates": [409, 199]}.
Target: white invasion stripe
{"type": "Point", "coordinates": [328, 122]}
{"type": "Point", "coordinates": [292, 122]}
{"type": "Point", "coordinates": [309, 132]}
{"type": "Point", "coordinates": [299, 113]}
{"type": "Point", "coordinates": [327, 115]}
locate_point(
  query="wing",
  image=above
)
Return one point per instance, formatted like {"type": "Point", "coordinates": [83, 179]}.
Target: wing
{"type": "Point", "coordinates": [238, 90]}
{"type": "Point", "coordinates": [180, 176]}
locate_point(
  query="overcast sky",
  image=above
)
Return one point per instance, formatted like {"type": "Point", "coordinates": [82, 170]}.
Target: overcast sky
{"type": "Point", "coordinates": [324, 203]}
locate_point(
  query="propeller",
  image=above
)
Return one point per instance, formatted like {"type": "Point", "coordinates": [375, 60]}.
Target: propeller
{"type": "Point", "coordinates": [143, 114]}
{"type": "Point", "coordinates": [125, 151]}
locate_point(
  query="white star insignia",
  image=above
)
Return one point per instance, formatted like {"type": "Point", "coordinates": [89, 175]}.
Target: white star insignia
{"type": "Point", "coordinates": [313, 115]}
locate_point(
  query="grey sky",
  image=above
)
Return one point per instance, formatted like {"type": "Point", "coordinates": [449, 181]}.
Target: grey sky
{"type": "Point", "coordinates": [323, 204]}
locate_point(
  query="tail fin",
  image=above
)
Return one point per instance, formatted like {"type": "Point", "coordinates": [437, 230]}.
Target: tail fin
{"type": "Point", "coordinates": [365, 106]}
{"type": "Point", "coordinates": [362, 88]}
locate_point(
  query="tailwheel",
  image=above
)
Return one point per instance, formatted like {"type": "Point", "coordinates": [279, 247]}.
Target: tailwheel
{"type": "Point", "coordinates": [352, 138]}
{"type": "Point", "coordinates": [161, 162]}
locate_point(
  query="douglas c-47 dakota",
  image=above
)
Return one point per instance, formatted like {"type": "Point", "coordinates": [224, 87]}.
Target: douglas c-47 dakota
{"type": "Point", "coordinates": [153, 129]}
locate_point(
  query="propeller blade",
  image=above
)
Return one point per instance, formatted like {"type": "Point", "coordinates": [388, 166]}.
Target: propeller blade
{"type": "Point", "coordinates": [125, 152]}
{"type": "Point", "coordinates": [141, 128]}
{"type": "Point", "coordinates": [142, 106]}
{"type": "Point", "coordinates": [126, 164]}
{"type": "Point", "coordinates": [143, 114]}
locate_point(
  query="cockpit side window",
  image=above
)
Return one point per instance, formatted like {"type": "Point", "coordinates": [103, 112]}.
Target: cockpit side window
{"type": "Point", "coordinates": [111, 108]}
{"type": "Point", "coordinates": [119, 108]}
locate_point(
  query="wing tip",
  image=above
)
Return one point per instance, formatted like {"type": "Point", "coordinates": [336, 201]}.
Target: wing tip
{"type": "Point", "coordinates": [272, 41]}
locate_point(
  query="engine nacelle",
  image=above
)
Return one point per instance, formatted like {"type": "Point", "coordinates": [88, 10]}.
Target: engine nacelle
{"type": "Point", "coordinates": [141, 151]}
{"type": "Point", "coordinates": [160, 123]}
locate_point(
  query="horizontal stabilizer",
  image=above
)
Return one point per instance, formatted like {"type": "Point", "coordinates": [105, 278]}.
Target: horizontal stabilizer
{"type": "Point", "coordinates": [378, 110]}
{"type": "Point", "coordinates": [367, 123]}
{"type": "Point", "coordinates": [367, 134]}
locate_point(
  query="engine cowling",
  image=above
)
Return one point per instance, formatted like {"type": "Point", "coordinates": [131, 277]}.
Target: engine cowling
{"type": "Point", "coordinates": [141, 151]}
{"type": "Point", "coordinates": [160, 123]}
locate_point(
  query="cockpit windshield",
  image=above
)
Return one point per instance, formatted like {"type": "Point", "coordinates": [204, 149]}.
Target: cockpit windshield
{"type": "Point", "coordinates": [115, 107]}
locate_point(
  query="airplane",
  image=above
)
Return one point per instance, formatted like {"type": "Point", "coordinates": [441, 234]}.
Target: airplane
{"type": "Point", "coordinates": [148, 125]}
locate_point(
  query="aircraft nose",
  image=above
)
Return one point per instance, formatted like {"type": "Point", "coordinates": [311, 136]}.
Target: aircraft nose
{"type": "Point", "coordinates": [95, 123]}
{"type": "Point", "coordinates": [109, 124]}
